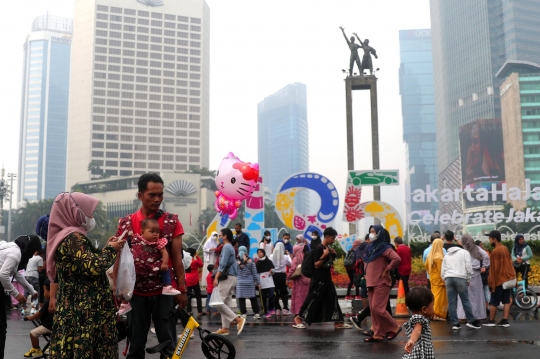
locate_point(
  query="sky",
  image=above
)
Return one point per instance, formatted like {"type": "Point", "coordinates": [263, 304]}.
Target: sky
{"type": "Point", "coordinates": [256, 48]}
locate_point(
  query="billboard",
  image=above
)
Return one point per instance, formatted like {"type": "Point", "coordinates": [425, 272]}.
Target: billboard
{"type": "Point", "coordinates": [482, 158]}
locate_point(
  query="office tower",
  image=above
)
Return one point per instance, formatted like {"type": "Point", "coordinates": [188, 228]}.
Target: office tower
{"type": "Point", "coordinates": [520, 96]}
{"type": "Point", "coordinates": [418, 112]}
{"type": "Point", "coordinates": [283, 138]}
{"type": "Point", "coordinates": [44, 109]}
{"type": "Point", "coordinates": [472, 40]}
{"type": "Point", "coordinates": [139, 88]}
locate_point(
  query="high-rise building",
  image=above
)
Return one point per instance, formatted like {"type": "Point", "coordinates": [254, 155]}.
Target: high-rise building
{"type": "Point", "coordinates": [139, 88]}
{"type": "Point", "coordinates": [283, 137]}
{"type": "Point", "coordinates": [471, 41]}
{"type": "Point", "coordinates": [418, 112]}
{"type": "Point", "coordinates": [44, 109]}
{"type": "Point", "coordinates": [520, 105]}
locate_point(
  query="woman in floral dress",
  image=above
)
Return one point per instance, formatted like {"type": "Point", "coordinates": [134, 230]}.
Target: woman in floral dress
{"type": "Point", "coordinates": [84, 321]}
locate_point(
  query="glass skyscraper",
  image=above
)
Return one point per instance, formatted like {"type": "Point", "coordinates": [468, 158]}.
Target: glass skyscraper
{"type": "Point", "coordinates": [472, 40]}
{"type": "Point", "coordinates": [283, 137]}
{"type": "Point", "coordinates": [418, 112]}
{"type": "Point", "coordinates": [44, 109]}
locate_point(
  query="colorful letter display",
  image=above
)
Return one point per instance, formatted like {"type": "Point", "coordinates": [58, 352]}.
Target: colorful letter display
{"type": "Point", "coordinates": [307, 223]}
{"type": "Point", "coordinates": [387, 214]}
{"type": "Point", "coordinates": [236, 180]}
{"type": "Point", "coordinates": [254, 217]}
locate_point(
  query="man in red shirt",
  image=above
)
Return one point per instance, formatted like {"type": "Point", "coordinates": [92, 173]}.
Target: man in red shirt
{"type": "Point", "coordinates": [404, 269]}
{"type": "Point", "coordinates": [152, 305]}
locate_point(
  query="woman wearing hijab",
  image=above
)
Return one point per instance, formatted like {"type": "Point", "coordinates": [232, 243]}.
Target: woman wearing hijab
{"type": "Point", "coordinates": [379, 261]}
{"type": "Point", "coordinates": [521, 254]}
{"type": "Point", "coordinates": [438, 288]}
{"type": "Point", "coordinates": [84, 323]}
{"type": "Point", "coordinates": [248, 280]}
{"type": "Point", "coordinates": [479, 262]}
{"type": "Point", "coordinates": [209, 251]}
{"type": "Point", "coordinates": [301, 241]}
{"type": "Point", "coordinates": [315, 240]}
{"type": "Point", "coordinates": [265, 268]}
{"type": "Point", "coordinates": [13, 257]}
{"type": "Point", "coordinates": [281, 262]}
{"type": "Point", "coordinates": [300, 286]}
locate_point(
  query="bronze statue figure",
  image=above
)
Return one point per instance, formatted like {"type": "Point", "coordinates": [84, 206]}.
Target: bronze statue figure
{"type": "Point", "coordinates": [366, 60]}
{"type": "Point", "coordinates": [354, 53]}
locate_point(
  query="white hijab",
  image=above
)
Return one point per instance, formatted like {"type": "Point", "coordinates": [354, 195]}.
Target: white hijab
{"type": "Point", "coordinates": [277, 255]}
{"type": "Point", "coordinates": [211, 242]}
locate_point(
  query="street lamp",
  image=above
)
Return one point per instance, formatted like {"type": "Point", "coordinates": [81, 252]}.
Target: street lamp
{"type": "Point", "coordinates": [11, 176]}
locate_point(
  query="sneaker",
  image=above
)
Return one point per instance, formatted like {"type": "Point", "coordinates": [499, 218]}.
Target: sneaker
{"type": "Point", "coordinates": [240, 325]}
{"type": "Point", "coordinates": [222, 332]}
{"type": "Point", "coordinates": [268, 315]}
{"type": "Point", "coordinates": [503, 323]}
{"type": "Point", "coordinates": [474, 324]}
{"type": "Point", "coordinates": [277, 312]}
{"type": "Point", "coordinates": [358, 297]}
{"type": "Point", "coordinates": [456, 326]}
{"type": "Point", "coordinates": [490, 323]}
{"type": "Point", "coordinates": [272, 312]}
{"type": "Point", "coordinates": [33, 353]}
{"type": "Point", "coordinates": [169, 290]}
{"type": "Point", "coordinates": [286, 312]}
{"type": "Point", "coordinates": [244, 316]}
{"type": "Point", "coordinates": [357, 324]}
{"type": "Point", "coordinates": [124, 308]}
{"type": "Point", "coordinates": [257, 316]}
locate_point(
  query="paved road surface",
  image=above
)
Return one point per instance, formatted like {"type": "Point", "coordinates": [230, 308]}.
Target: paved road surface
{"type": "Point", "coordinates": [275, 338]}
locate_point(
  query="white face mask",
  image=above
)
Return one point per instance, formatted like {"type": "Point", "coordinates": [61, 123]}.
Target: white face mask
{"type": "Point", "coordinates": [268, 237]}
{"type": "Point", "coordinates": [90, 224]}
{"type": "Point", "coordinates": [285, 241]}
{"type": "Point", "coordinates": [372, 236]}
{"type": "Point", "coordinates": [314, 237]}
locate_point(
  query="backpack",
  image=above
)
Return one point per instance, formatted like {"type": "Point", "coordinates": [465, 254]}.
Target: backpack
{"type": "Point", "coordinates": [349, 259]}
{"type": "Point", "coordinates": [308, 265]}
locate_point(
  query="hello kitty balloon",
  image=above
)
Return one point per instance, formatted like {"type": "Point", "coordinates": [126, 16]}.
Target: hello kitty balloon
{"type": "Point", "coordinates": [236, 180]}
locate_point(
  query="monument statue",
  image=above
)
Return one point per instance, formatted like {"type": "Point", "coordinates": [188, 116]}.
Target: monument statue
{"type": "Point", "coordinates": [354, 53]}
{"type": "Point", "coordinates": [366, 60]}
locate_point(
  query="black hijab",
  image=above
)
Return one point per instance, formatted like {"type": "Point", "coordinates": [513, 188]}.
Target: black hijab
{"type": "Point", "coordinates": [264, 265]}
{"type": "Point", "coordinates": [28, 246]}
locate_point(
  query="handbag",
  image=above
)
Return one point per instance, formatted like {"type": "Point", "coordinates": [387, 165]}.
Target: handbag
{"type": "Point", "coordinates": [224, 275]}
{"type": "Point", "coordinates": [297, 272]}
{"type": "Point", "coordinates": [509, 284]}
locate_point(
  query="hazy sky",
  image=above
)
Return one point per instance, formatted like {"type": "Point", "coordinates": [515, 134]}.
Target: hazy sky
{"type": "Point", "coordinates": [258, 47]}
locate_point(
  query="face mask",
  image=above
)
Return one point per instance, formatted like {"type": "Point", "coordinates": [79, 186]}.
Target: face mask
{"type": "Point", "coordinates": [268, 238]}
{"type": "Point", "coordinates": [220, 239]}
{"type": "Point", "coordinates": [372, 236]}
{"type": "Point", "coordinates": [314, 237]}
{"type": "Point", "coordinates": [90, 224]}
{"type": "Point", "coordinates": [285, 241]}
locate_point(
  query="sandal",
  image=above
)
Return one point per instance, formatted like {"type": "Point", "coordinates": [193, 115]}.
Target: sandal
{"type": "Point", "coordinates": [368, 333]}
{"type": "Point", "coordinates": [391, 335]}
{"type": "Point", "coordinates": [374, 340]}
{"type": "Point", "coordinates": [299, 326]}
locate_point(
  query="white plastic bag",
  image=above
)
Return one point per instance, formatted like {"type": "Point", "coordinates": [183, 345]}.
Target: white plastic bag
{"type": "Point", "coordinates": [187, 260]}
{"type": "Point", "coordinates": [125, 279]}
{"type": "Point", "coordinates": [215, 299]}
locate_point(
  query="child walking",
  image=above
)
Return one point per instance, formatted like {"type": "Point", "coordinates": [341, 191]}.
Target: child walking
{"type": "Point", "coordinates": [419, 346]}
{"type": "Point", "coordinates": [157, 253]}
{"type": "Point", "coordinates": [209, 289]}
{"type": "Point", "coordinates": [46, 319]}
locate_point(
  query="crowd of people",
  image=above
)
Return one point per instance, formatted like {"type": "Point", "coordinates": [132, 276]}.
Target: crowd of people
{"type": "Point", "coordinates": [76, 282]}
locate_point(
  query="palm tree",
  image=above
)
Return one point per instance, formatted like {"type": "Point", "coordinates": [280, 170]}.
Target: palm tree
{"type": "Point", "coordinates": [26, 216]}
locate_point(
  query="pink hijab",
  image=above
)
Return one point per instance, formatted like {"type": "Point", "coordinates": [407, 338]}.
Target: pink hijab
{"type": "Point", "coordinates": [298, 252]}
{"type": "Point", "coordinates": [66, 218]}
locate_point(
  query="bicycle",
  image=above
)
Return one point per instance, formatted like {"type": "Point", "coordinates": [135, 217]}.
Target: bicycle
{"type": "Point", "coordinates": [214, 346]}
{"type": "Point", "coordinates": [523, 297]}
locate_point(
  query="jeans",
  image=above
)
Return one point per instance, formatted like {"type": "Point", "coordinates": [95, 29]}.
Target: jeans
{"type": "Point", "coordinates": [196, 290]}
{"type": "Point", "coordinates": [159, 309]}
{"type": "Point", "coordinates": [455, 287]}
{"type": "Point", "coordinates": [268, 299]}
{"type": "Point", "coordinates": [209, 309]}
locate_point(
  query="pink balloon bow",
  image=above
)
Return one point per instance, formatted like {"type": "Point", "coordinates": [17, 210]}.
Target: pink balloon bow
{"type": "Point", "coordinates": [236, 180]}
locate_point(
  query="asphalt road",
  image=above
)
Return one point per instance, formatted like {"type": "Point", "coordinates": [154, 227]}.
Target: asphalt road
{"type": "Point", "coordinates": [275, 338]}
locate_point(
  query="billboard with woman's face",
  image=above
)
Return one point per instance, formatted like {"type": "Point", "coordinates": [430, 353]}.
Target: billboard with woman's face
{"type": "Point", "coordinates": [482, 156]}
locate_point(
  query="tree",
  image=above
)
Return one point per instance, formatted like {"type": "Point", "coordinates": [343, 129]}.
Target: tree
{"type": "Point", "coordinates": [25, 217]}
{"type": "Point", "coordinates": [205, 218]}
{"type": "Point", "coordinates": [202, 171]}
